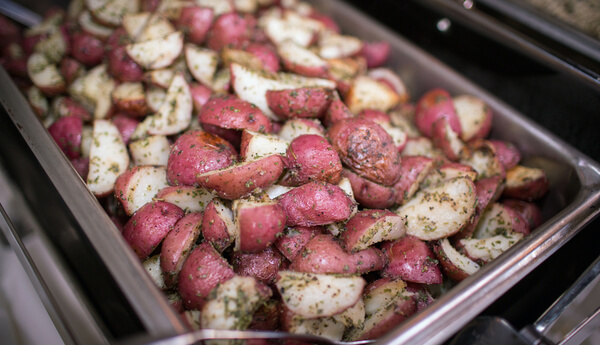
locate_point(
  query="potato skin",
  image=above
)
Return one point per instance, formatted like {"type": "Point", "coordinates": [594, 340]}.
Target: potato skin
{"type": "Point", "coordinates": [316, 203]}
{"type": "Point", "coordinates": [375, 53]}
{"type": "Point", "coordinates": [366, 148]}
{"type": "Point", "coordinates": [231, 30]}
{"type": "Point", "coordinates": [233, 113]}
{"type": "Point", "coordinates": [295, 238]}
{"type": "Point", "coordinates": [262, 265]}
{"type": "Point", "coordinates": [177, 245]}
{"type": "Point", "coordinates": [310, 157]}
{"type": "Point", "coordinates": [87, 49]}
{"type": "Point", "coordinates": [66, 132]}
{"type": "Point", "coordinates": [258, 224]}
{"type": "Point", "coordinates": [195, 21]}
{"type": "Point", "coordinates": [120, 65]}
{"type": "Point", "coordinates": [203, 270]}
{"type": "Point", "coordinates": [149, 225]}
{"type": "Point", "coordinates": [530, 212]}
{"type": "Point", "coordinates": [410, 259]}
{"type": "Point", "coordinates": [414, 170]}
{"type": "Point", "coordinates": [508, 154]}
{"type": "Point", "coordinates": [214, 228]}
{"type": "Point", "coordinates": [196, 152]}
{"type": "Point", "coordinates": [435, 104]}
{"type": "Point", "coordinates": [370, 194]}
{"type": "Point", "coordinates": [306, 102]}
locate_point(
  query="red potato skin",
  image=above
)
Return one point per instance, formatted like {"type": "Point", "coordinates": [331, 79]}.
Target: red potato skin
{"type": "Point", "coordinates": [82, 166]}
{"type": "Point", "coordinates": [138, 107]}
{"type": "Point", "coordinates": [530, 190]}
{"type": "Point", "coordinates": [421, 295]}
{"type": "Point", "coordinates": [324, 254]}
{"type": "Point", "coordinates": [66, 132]}
{"type": "Point", "coordinates": [259, 226]}
{"type": "Point", "coordinates": [29, 42]}
{"type": "Point", "coordinates": [70, 107]}
{"type": "Point", "coordinates": [240, 180]}
{"type": "Point", "coordinates": [266, 55]}
{"type": "Point", "coordinates": [316, 203]}
{"type": "Point", "coordinates": [120, 65]}
{"type": "Point", "coordinates": [203, 270]}
{"type": "Point", "coordinates": [233, 136]}
{"type": "Point", "coordinates": [126, 125]}
{"type": "Point", "coordinates": [325, 20]}
{"type": "Point", "coordinates": [433, 105]}
{"type": "Point", "coordinates": [403, 309]}
{"type": "Point", "coordinates": [232, 30]}
{"type": "Point", "coordinates": [214, 229]}
{"type": "Point", "coordinates": [307, 102]}
{"type": "Point", "coordinates": [375, 53]}
{"type": "Point", "coordinates": [367, 149]}
{"type": "Point", "coordinates": [200, 95]}
{"type": "Point", "coordinates": [448, 267]}
{"type": "Point", "coordinates": [295, 238]}
{"type": "Point", "coordinates": [149, 225]}
{"type": "Point", "coordinates": [267, 317]}
{"type": "Point", "coordinates": [233, 113]}
{"type": "Point", "coordinates": [87, 49]}
{"type": "Point", "coordinates": [310, 157]}
{"type": "Point", "coordinates": [177, 245]}
{"type": "Point", "coordinates": [508, 154]}
{"type": "Point", "coordinates": [376, 116]}
{"type": "Point", "coordinates": [413, 170]}
{"type": "Point", "coordinates": [196, 152]}
{"type": "Point", "coordinates": [336, 112]}
{"type": "Point", "coordinates": [370, 194]}
{"type": "Point", "coordinates": [410, 259]}
{"type": "Point", "coordinates": [530, 212]}
{"type": "Point", "coordinates": [488, 190]}
{"type": "Point", "coordinates": [519, 223]}
{"type": "Point", "coordinates": [70, 69]}
{"type": "Point", "coordinates": [195, 21]}
{"type": "Point", "coordinates": [262, 265]}
{"type": "Point", "coordinates": [357, 225]}
{"type": "Point", "coordinates": [441, 137]}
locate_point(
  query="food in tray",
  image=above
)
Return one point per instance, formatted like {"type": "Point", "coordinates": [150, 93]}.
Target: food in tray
{"type": "Point", "coordinates": [270, 171]}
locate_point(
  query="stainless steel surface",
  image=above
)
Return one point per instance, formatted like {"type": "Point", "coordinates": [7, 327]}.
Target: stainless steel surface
{"type": "Point", "coordinates": [550, 55]}
{"type": "Point", "coordinates": [572, 202]}
{"type": "Point", "coordinates": [19, 13]}
{"type": "Point", "coordinates": [214, 334]}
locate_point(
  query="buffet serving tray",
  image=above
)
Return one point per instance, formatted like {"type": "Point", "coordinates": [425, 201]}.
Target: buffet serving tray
{"type": "Point", "coordinates": [572, 202]}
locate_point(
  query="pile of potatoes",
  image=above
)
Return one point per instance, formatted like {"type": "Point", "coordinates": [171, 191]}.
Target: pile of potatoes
{"type": "Point", "coordinates": [266, 169]}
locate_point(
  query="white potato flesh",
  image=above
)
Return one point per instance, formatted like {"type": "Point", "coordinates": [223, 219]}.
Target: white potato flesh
{"type": "Point", "coordinates": [112, 12]}
{"type": "Point", "coordinates": [336, 228]}
{"type": "Point", "coordinates": [155, 97]}
{"type": "Point", "coordinates": [87, 137]}
{"type": "Point", "coordinates": [484, 161]}
{"type": "Point", "coordinates": [98, 86]}
{"type": "Point", "coordinates": [160, 77]}
{"type": "Point", "coordinates": [439, 211]}
{"type": "Point", "coordinates": [226, 214]}
{"type": "Point", "coordinates": [152, 267]}
{"type": "Point", "coordinates": [93, 5]}
{"type": "Point", "coordinates": [421, 146]}
{"type": "Point", "coordinates": [175, 114]}
{"type": "Point", "coordinates": [108, 158]}
{"type": "Point", "coordinates": [218, 6]}
{"type": "Point", "coordinates": [300, 56]}
{"type": "Point", "coordinates": [233, 304]}
{"type": "Point", "coordinates": [262, 145]}
{"type": "Point", "coordinates": [294, 128]}
{"type": "Point", "coordinates": [158, 52]}
{"type": "Point", "coordinates": [276, 190]}
{"type": "Point", "coordinates": [369, 93]}
{"type": "Point", "coordinates": [388, 228]}
{"type": "Point", "coordinates": [460, 261]}
{"type": "Point", "coordinates": [153, 150]}
{"type": "Point", "coordinates": [245, 6]}
{"type": "Point", "coordinates": [37, 100]}
{"type": "Point", "coordinates": [142, 186]}
{"type": "Point", "coordinates": [280, 30]}
{"type": "Point", "coordinates": [327, 327]}
{"type": "Point", "coordinates": [353, 316]}
{"type": "Point", "coordinates": [336, 46]}
{"type": "Point", "coordinates": [317, 295]}
{"type": "Point", "coordinates": [495, 220]}
{"type": "Point", "coordinates": [134, 23]}
{"type": "Point", "coordinates": [397, 134]}
{"type": "Point", "coordinates": [391, 78]}
{"type": "Point", "coordinates": [521, 175]}
{"type": "Point", "coordinates": [202, 63]}
{"type": "Point", "coordinates": [490, 248]}
{"type": "Point", "coordinates": [188, 198]}
{"type": "Point", "coordinates": [88, 25]}
{"type": "Point", "coordinates": [47, 25]}
{"type": "Point", "coordinates": [472, 113]}
{"type": "Point", "coordinates": [54, 47]}
{"type": "Point", "coordinates": [130, 92]}
{"type": "Point", "coordinates": [43, 73]}
{"type": "Point", "coordinates": [384, 295]}
{"type": "Point", "coordinates": [156, 27]}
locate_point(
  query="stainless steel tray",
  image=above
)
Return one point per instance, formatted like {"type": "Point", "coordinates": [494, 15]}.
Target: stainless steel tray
{"type": "Point", "coordinates": [572, 202]}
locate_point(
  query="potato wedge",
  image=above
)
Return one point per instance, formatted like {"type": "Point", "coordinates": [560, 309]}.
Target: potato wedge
{"type": "Point", "coordinates": [369, 227]}
{"type": "Point", "coordinates": [139, 185]}
{"type": "Point", "coordinates": [218, 227]}
{"type": "Point", "coordinates": [188, 198]}
{"type": "Point", "coordinates": [177, 246]}
{"type": "Point", "coordinates": [175, 113]}
{"type": "Point", "coordinates": [410, 259]}
{"type": "Point", "coordinates": [158, 52]}
{"type": "Point", "coordinates": [258, 224]}
{"type": "Point", "coordinates": [525, 183]}
{"type": "Point", "coordinates": [455, 265]}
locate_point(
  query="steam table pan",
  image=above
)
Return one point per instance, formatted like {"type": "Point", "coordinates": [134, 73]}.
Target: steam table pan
{"type": "Point", "coordinates": [122, 301]}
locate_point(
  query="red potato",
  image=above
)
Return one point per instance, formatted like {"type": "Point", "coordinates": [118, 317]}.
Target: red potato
{"type": "Point", "coordinates": [177, 246]}
{"type": "Point", "coordinates": [488, 191]}
{"type": "Point", "coordinates": [383, 292]}
{"type": "Point", "coordinates": [149, 225]}
{"type": "Point", "coordinates": [410, 259]}
{"type": "Point", "coordinates": [508, 154]}
{"type": "Point", "coordinates": [498, 219]}
{"type": "Point", "coordinates": [290, 26]}
{"type": "Point", "coordinates": [369, 227]}
{"type": "Point", "coordinates": [316, 203]}
{"type": "Point", "coordinates": [139, 185]}
{"type": "Point", "coordinates": [233, 136]}
{"type": "Point", "coordinates": [448, 171]}
{"type": "Point", "coordinates": [367, 149]}
{"type": "Point", "coordinates": [160, 77]}
{"type": "Point", "coordinates": [481, 156]}
{"type": "Point", "coordinates": [45, 75]}
{"type": "Point", "coordinates": [268, 58]}
{"type": "Point", "coordinates": [313, 295]}
{"type": "Point", "coordinates": [375, 53]}
{"type": "Point", "coordinates": [391, 79]}
{"type": "Point", "coordinates": [336, 111]}
{"type": "Point", "coordinates": [267, 317]}
{"type": "Point", "coordinates": [370, 194]}
{"type": "Point", "coordinates": [422, 146]}
{"type": "Point", "coordinates": [311, 158]}
{"type": "Point", "coordinates": [122, 67]}
{"type": "Point", "coordinates": [200, 95]}
{"type": "Point", "coordinates": [242, 57]}
{"type": "Point", "coordinates": [195, 22]}
{"type": "Point", "coordinates": [82, 166]}
{"type": "Point", "coordinates": [525, 183]}
{"type": "Point", "coordinates": [528, 210]}
{"type": "Point", "coordinates": [197, 152]}
{"type": "Point", "coordinates": [369, 93]}
{"type": "Point", "coordinates": [330, 327]}
{"type": "Point", "coordinates": [446, 139]}
{"type": "Point", "coordinates": [126, 125]}
{"type": "Point", "coordinates": [66, 132]}
{"type": "Point", "coordinates": [324, 254]}
{"type": "Point", "coordinates": [202, 63]}
{"type": "Point", "coordinates": [256, 145]}
{"type": "Point", "coordinates": [70, 69]}
{"type": "Point", "coordinates": [218, 227]}
{"type": "Point", "coordinates": [474, 115]}
{"type": "Point", "coordinates": [66, 106]}
{"type": "Point", "coordinates": [111, 12]}
{"type": "Point", "coordinates": [435, 104]}
{"type": "Point", "coordinates": [344, 71]}
{"type": "Point", "coordinates": [258, 224]}
{"type": "Point", "coordinates": [38, 102]}
{"type": "Point", "coordinates": [294, 128]}
{"type": "Point", "coordinates": [188, 198]}
{"type": "Point", "coordinates": [158, 52]}
{"type": "Point", "coordinates": [242, 179]}
{"type": "Point", "coordinates": [421, 295]}
{"type": "Point", "coordinates": [303, 61]}
{"type": "Point", "coordinates": [441, 210]}
{"type": "Point", "coordinates": [90, 26]}
{"type": "Point", "coordinates": [202, 271]}
{"type": "Point", "coordinates": [175, 113]}
{"type": "Point", "coordinates": [234, 113]}
{"type": "Point", "coordinates": [97, 86]}
{"type": "Point", "coordinates": [293, 239]}
{"type": "Point", "coordinates": [152, 150]}
{"type": "Point", "coordinates": [333, 45]}
{"type": "Point", "coordinates": [87, 49]}
{"type": "Point", "coordinates": [131, 98]}
{"type": "Point", "coordinates": [413, 172]}
{"type": "Point", "coordinates": [483, 250]}
{"type": "Point", "coordinates": [454, 264]}
{"type": "Point", "coordinates": [231, 29]}
{"type": "Point", "coordinates": [263, 266]}
{"type": "Point", "coordinates": [302, 102]}
{"type": "Point", "coordinates": [9, 32]}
